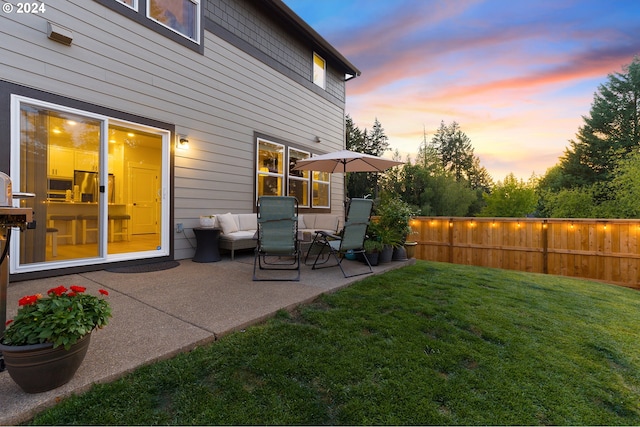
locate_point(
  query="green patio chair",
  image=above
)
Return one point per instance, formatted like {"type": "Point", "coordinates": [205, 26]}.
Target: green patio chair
{"type": "Point", "coordinates": [351, 239]}
{"type": "Point", "coordinates": [278, 247]}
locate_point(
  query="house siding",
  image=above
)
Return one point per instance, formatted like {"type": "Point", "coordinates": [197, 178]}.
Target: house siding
{"type": "Point", "coordinates": [219, 99]}
{"type": "Point", "coordinates": [244, 19]}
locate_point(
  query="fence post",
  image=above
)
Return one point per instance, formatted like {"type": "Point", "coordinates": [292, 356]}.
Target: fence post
{"type": "Point", "coordinates": [545, 247]}
{"type": "Point", "coordinates": [451, 240]}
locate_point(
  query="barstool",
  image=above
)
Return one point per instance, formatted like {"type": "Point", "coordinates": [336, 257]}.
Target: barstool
{"type": "Point", "coordinates": [124, 226]}
{"type": "Point", "coordinates": [54, 240]}
{"type": "Point", "coordinates": [83, 221]}
{"type": "Point", "coordinates": [70, 226]}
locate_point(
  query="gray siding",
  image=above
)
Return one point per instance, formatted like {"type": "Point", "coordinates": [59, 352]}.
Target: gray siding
{"type": "Point", "coordinates": [218, 99]}
{"type": "Point", "coordinates": [244, 19]}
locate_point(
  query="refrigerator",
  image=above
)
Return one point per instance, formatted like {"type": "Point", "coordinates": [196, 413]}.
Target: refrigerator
{"type": "Point", "coordinates": [88, 186]}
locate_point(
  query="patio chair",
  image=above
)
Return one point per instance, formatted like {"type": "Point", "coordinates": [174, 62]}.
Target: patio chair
{"type": "Point", "coordinates": [352, 238]}
{"type": "Point", "coordinates": [278, 247]}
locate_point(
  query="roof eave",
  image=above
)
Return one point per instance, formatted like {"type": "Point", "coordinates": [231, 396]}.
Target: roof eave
{"type": "Point", "coordinates": [300, 25]}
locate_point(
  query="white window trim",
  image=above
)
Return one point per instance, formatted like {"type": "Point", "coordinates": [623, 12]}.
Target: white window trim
{"type": "Point", "coordinates": [324, 70]}
{"type": "Point", "coordinates": [314, 181]}
{"type": "Point", "coordinates": [307, 203]}
{"type": "Point", "coordinates": [198, 23]}
{"type": "Point", "coordinates": [285, 173]}
{"type": "Point", "coordinates": [103, 257]}
{"type": "Point", "coordinates": [285, 170]}
{"type": "Point", "coordinates": [134, 6]}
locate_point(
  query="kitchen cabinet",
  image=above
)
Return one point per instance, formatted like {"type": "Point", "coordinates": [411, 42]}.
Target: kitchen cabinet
{"type": "Point", "coordinates": [61, 161]}
{"type": "Point", "coordinates": [87, 161]}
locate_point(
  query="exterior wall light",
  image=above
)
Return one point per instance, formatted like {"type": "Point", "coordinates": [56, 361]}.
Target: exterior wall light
{"type": "Point", "coordinates": [183, 143]}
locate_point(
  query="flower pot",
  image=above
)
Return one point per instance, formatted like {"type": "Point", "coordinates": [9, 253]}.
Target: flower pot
{"type": "Point", "coordinates": [207, 221]}
{"type": "Point", "coordinates": [40, 367]}
{"type": "Point", "coordinates": [399, 254]}
{"type": "Point", "coordinates": [373, 257]}
{"type": "Point", "coordinates": [386, 254]}
{"type": "Point", "coordinates": [410, 247]}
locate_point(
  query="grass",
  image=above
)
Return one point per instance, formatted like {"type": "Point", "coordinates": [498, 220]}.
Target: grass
{"type": "Point", "coordinates": [431, 343]}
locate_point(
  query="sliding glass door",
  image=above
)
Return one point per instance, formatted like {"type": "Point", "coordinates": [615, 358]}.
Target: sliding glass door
{"type": "Point", "coordinates": [100, 186]}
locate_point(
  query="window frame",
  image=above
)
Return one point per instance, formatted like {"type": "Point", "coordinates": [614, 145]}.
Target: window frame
{"type": "Point", "coordinates": [197, 17]}
{"type": "Point", "coordinates": [317, 181]}
{"type": "Point", "coordinates": [139, 16]}
{"type": "Point", "coordinates": [270, 173]}
{"type": "Point", "coordinates": [305, 178]}
{"type": "Point", "coordinates": [133, 6]}
{"type": "Point", "coordinates": [286, 176]}
{"type": "Point", "coordinates": [63, 106]}
{"type": "Point", "coordinates": [320, 83]}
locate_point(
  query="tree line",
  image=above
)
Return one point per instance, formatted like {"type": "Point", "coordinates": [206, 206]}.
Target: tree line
{"type": "Point", "coordinates": [598, 175]}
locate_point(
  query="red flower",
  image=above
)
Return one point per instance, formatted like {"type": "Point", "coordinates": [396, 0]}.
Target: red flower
{"type": "Point", "coordinates": [103, 292]}
{"type": "Point", "coordinates": [8, 322]}
{"type": "Point", "coordinates": [72, 294]}
{"type": "Point", "coordinates": [28, 300]}
{"type": "Point", "coordinates": [78, 289]}
{"type": "Point", "coordinates": [58, 291]}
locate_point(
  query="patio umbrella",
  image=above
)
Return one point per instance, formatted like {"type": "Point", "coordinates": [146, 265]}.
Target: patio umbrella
{"type": "Point", "coordinates": [346, 161]}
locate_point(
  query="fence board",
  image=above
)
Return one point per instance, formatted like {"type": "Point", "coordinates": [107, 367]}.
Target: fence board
{"type": "Point", "coordinates": [600, 249]}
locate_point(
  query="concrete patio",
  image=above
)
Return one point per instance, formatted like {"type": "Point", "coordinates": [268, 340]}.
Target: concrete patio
{"type": "Point", "coordinates": [161, 313]}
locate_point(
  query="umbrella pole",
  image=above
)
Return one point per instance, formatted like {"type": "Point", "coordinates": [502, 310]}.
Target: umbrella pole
{"type": "Point", "coordinates": [345, 199]}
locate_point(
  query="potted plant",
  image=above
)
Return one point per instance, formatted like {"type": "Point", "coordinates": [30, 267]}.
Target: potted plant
{"type": "Point", "coordinates": [393, 225]}
{"type": "Point", "coordinates": [207, 221]}
{"type": "Point", "coordinates": [372, 249]}
{"type": "Point", "coordinates": [45, 343]}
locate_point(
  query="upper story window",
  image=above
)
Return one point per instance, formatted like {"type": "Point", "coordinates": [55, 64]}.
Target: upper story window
{"type": "Point", "coordinates": [319, 71]}
{"type": "Point", "coordinates": [133, 4]}
{"type": "Point", "coordinates": [182, 16]}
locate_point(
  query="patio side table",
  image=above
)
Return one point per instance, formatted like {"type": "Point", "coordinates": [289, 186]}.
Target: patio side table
{"type": "Point", "coordinates": [207, 244]}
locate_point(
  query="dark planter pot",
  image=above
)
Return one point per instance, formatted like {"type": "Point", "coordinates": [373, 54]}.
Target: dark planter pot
{"type": "Point", "coordinates": [373, 257]}
{"type": "Point", "coordinates": [386, 254]}
{"type": "Point", "coordinates": [40, 367]}
{"type": "Point", "coordinates": [399, 254]}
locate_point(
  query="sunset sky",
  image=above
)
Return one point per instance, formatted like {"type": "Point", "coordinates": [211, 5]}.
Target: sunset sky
{"type": "Point", "coordinates": [517, 75]}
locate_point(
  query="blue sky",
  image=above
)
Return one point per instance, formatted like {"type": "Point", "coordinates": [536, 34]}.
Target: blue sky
{"type": "Point", "coordinates": [516, 75]}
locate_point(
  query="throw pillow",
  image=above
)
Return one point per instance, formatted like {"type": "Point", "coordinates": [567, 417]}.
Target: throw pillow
{"type": "Point", "coordinates": [227, 223]}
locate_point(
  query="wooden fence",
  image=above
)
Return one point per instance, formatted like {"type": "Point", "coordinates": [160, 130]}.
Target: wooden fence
{"type": "Point", "coordinates": [600, 249]}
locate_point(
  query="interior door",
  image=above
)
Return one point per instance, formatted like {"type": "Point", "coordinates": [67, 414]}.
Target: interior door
{"type": "Point", "coordinates": [144, 198]}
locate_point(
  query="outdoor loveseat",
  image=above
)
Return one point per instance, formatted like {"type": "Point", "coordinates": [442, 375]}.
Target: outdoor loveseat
{"type": "Point", "coordinates": [239, 230]}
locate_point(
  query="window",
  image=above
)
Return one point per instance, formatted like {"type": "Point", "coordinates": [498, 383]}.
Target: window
{"type": "Point", "coordinates": [298, 180]}
{"type": "Point", "coordinates": [319, 70]}
{"type": "Point", "coordinates": [312, 189]}
{"type": "Point", "coordinates": [133, 4]}
{"type": "Point", "coordinates": [270, 168]}
{"type": "Point", "coordinates": [321, 189]}
{"type": "Point", "coordinates": [178, 20]}
{"type": "Point", "coordinates": [182, 16]}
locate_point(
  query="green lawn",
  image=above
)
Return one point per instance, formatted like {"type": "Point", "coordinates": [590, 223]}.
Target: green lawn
{"type": "Point", "coordinates": [431, 343]}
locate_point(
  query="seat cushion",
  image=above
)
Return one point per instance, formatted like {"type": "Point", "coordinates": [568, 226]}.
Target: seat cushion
{"type": "Point", "coordinates": [247, 222]}
{"type": "Point", "coordinates": [326, 222]}
{"type": "Point", "coordinates": [240, 235]}
{"type": "Point", "coordinates": [227, 223]}
{"type": "Point", "coordinates": [301, 222]}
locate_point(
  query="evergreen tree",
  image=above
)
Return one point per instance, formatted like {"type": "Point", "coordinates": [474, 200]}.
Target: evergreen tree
{"type": "Point", "coordinates": [610, 132]}
{"type": "Point", "coordinates": [364, 184]}
{"type": "Point", "coordinates": [454, 149]}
